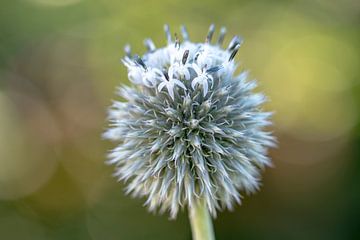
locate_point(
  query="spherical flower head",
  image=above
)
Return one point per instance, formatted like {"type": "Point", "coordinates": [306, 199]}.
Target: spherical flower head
{"type": "Point", "coordinates": [188, 128]}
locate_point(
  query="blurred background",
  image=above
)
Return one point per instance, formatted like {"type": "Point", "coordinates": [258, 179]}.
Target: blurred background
{"type": "Point", "coordinates": [60, 64]}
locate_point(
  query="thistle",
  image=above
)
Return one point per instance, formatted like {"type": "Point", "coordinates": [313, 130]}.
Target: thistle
{"type": "Point", "coordinates": [191, 133]}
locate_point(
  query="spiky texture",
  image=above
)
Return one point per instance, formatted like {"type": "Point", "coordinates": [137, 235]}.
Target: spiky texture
{"type": "Point", "coordinates": [188, 128]}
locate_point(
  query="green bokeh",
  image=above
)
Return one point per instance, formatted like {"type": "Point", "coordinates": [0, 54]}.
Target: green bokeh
{"type": "Point", "coordinates": [60, 63]}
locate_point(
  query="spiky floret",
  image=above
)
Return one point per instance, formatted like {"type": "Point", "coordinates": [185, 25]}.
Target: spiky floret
{"type": "Point", "coordinates": [188, 128]}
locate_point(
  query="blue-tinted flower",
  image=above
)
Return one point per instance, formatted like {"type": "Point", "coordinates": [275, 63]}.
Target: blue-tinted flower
{"type": "Point", "coordinates": [188, 129]}
{"type": "Point", "coordinates": [170, 82]}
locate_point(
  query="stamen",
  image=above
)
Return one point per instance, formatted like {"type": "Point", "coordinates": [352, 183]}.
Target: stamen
{"type": "Point", "coordinates": [166, 75]}
{"type": "Point", "coordinates": [184, 33]}
{"type": "Point", "coordinates": [139, 61]}
{"type": "Point", "coordinates": [177, 41]}
{"type": "Point", "coordinates": [197, 56]}
{"type": "Point", "coordinates": [205, 67]}
{"type": "Point", "coordinates": [127, 50]}
{"type": "Point", "coordinates": [210, 33]}
{"type": "Point", "coordinates": [234, 52]}
{"type": "Point", "coordinates": [235, 41]}
{"type": "Point", "coordinates": [167, 33]}
{"type": "Point", "coordinates": [221, 36]}
{"type": "Point", "coordinates": [149, 44]}
{"type": "Point", "coordinates": [214, 69]}
{"type": "Point", "coordinates": [185, 56]}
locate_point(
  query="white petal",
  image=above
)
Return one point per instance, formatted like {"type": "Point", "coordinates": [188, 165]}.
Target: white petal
{"type": "Point", "coordinates": [135, 76]}
{"type": "Point", "coordinates": [157, 71]}
{"type": "Point", "coordinates": [161, 86]}
{"type": "Point", "coordinates": [196, 69]}
{"type": "Point", "coordinates": [194, 82]}
{"type": "Point", "coordinates": [170, 88]}
{"type": "Point", "coordinates": [205, 87]}
{"type": "Point", "coordinates": [180, 84]}
{"type": "Point", "coordinates": [187, 74]}
{"type": "Point", "coordinates": [127, 62]}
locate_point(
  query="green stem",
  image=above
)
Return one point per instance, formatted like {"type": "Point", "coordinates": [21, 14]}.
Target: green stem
{"type": "Point", "coordinates": [200, 220]}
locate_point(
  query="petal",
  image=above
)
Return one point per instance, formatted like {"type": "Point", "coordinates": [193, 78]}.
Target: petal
{"type": "Point", "coordinates": [187, 74]}
{"type": "Point", "coordinates": [205, 87]}
{"type": "Point", "coordinates": [157, 71]}
{"type": "Point", "coordinates": [194, 82]}
{"type": "Point", "coordinates": [135, 76]}
{"type": "Point", "coordinates": [211, 79]}
{"type": "Point", "coordinates": [148, 82]}
{"type": "Point", "coordinates": [127, 62]}
{"type": "Point", "coordinates": [170, 88]}
{"type": "Point", "coordinates": [161, 86]}
{"type": "Point", "coordinates": [196, 69]}
{"type": "Point", "coordinates": [180, 84]}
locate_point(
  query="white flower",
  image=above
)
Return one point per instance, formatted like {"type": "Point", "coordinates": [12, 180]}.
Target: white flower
{"type": "Point", "coordinates": [134, 72]}
{"type": "Point", "coordinates": [209, 56]}
{"type": "Point", "coordinates": [138, 73]}
{"type": "Point", "coordinates": [181, 69]}
{"type": "Point", "coordinates": [170, 83]}
{"type": "Point", "coordinates": [176, 147]}
{"type": "Point", "coordinates": [150, 77]}
{"type": "Point", "coordinates": [203, 78]}
{"type": "Point", "coordinates": [175, 53]}
{"type": "Point", "coordinates": [159, 58]}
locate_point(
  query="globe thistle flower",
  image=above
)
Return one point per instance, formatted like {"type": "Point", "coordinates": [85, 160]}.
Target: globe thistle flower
{"type": "Point", "coordinates": [189, 129]}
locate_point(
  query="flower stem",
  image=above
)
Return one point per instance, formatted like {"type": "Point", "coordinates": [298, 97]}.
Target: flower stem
{"type": "Point", "coordinates": [201, 224]}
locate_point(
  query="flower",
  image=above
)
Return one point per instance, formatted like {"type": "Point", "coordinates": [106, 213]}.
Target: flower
{"type": "Point", "coordinates": [170, 82]}
{"type": "Point", "coordinates": [181, 69]}
{"type": "Point", "coordinates": [203, 77]}
{"type": "Point", "coordinates": [188, 128]}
